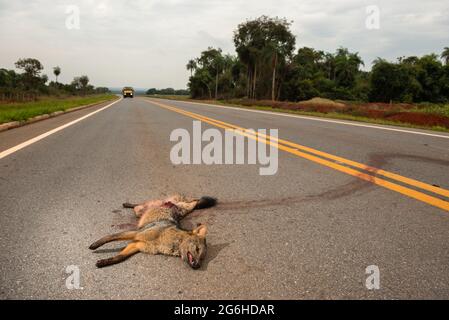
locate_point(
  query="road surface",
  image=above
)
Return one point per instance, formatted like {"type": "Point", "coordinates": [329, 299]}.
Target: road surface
{"type": "Point", "coordinates": [307, 232]}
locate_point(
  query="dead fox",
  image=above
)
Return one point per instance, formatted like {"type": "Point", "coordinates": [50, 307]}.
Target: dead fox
{"type": "Point", "coordinates": [159, 231]}
{"type": "Point", "coordinates": [173, 208]}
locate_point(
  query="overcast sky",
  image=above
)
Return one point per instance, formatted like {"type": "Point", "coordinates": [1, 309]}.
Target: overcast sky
{"type": "Point", "coordinates": [147, 43]}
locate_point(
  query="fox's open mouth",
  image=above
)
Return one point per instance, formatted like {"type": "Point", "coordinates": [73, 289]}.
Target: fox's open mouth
{"type": "Point", "coordinates": [192, 262]}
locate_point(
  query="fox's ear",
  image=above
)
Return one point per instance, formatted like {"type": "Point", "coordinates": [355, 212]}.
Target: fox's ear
{"type": "Point", "coordinates": [201, 231]}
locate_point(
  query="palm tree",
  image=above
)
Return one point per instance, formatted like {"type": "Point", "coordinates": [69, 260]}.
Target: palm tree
{"type": "Point", "coordinates": [218, 66]}
{"type": "Point", "coordinates": [57, 72]}
{"type": "Point", "coordinates": [445, 56]}
{"type": "Point", "coordinates": [191, 65]}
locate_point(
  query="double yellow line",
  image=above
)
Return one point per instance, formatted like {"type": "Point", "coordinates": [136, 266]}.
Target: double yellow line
{"type": "Point", "coordinates": [324, 158]}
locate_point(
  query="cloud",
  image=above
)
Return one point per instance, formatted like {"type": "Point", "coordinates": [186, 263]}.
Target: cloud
{"type": "Point", "coordinates": [147, 43]}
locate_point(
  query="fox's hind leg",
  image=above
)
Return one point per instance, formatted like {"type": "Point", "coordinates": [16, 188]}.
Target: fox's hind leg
{"type": "Point", "coordinates": [129, 250]}
{"type": "Point", "coordinates": [126, 235]}
{"type": "Point", "coordinates": [129, 205]}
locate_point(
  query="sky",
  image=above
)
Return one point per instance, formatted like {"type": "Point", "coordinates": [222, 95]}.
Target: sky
{"type": "Point", "coordinates": [147, 43]}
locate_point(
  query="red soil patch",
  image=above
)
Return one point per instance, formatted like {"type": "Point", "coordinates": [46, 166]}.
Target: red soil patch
{"type": "Point", "coordinates": [421, 119]}
{"type": "Point", "coordinates": [396, 112]}
{"type": "Point", "coordinates": [374, 114]}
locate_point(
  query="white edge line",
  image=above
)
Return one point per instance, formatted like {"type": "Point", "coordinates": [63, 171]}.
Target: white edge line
{"type": "Point", "coordinates": [317, 119]}
{"type": "Point", "coordinates": [22, 145]}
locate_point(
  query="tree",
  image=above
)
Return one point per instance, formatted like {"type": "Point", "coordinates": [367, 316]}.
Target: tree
{"type": "Point", "coordinates": [9, 78]}
{"type": "Point", "coordinates": [182, 92]}
{"type": "Point", "coordinates": [391, 82]}
{"type": "Point", "coordinates": [329, 65]}
{"type": "Point", "coordinates": [32, 69]}
{"type": "Point", "coordinates": [429, 70]}
{"type": "Point", "coordinates": [30, 82]}
{"type": "Point", "coordinates": [191, 66]}
{"type": "Point", "coordinates": [151, 91]}
{"type": "Point", "coordinates": [346, 67]}
{"type": "Point", "coordinates": [102, 90]}
{"type": "Point", "coordinates": [56, 72]}
{"type": "Point", "coordinates": [44, 79]}
{"type": "Point", "coordinates": [304, 75]}
{"type": "Point", "coordinates": [81, 84]}
{"type": "Point", "coordinates": [263, 43]}
{"type": "Point", "coordinates": [212, 60]}
{"type": "Point", "coordinates": [84, 81]}
{"type": "Point", "coordinates": [265, 67]}
{"type": "Point", "coordinates": [444, 80]}
{"type": "Point", "coordinates": [281, 43]}
{"type": "Point", "coordinates": [42, 84]}
{"type": "Point", "coordinates": [200, 84]}
{"type": "Point", "coordinates": [445, 55]}
{"type": "Point", "coordinates": [167, 91]}
{"type": "Point", "coordinates": [230, 76]}
{"type": "Point", "coordinates": [208, 68]}
{"type": "Point", "coordinates": [413, 60]}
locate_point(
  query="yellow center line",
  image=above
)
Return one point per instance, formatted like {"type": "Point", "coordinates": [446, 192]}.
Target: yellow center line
{"type": "Point", "coordinates": [412, 182]}
{"type": "Point", "coordinates": [284, 146]}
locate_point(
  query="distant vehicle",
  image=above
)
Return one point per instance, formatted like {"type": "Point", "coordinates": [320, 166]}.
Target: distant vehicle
{"type": "Point", "coordinates": [128, 92]}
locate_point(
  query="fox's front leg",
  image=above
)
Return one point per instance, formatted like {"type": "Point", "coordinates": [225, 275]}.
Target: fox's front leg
{"type": "Point", "coordinates": [129, 250]}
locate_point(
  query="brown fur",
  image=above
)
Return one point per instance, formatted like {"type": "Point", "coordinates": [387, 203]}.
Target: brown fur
{"type": "Point", "coordinates": [178, 200]}
{"type": "Point", "coordinates": [159, 233]}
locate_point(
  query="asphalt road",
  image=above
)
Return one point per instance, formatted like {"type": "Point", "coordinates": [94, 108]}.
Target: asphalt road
{"type": "Point", "coordinates": [307, 232]}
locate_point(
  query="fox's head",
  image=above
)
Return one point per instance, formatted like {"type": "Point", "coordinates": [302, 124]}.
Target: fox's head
{"type": "Point", "coordinates": [193, 248]}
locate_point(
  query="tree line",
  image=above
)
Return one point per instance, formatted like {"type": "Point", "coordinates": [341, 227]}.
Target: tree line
{"type": "Point", "coordinates": [30, 80]}
{"type": "Point", "coordinates": [168, 91]}
{"type": "Point", "coordinates": [267, 66]}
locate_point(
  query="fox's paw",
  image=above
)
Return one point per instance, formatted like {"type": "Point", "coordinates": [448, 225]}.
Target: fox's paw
{"type": "Point", "coordinates": [94, 245]}
{"type": "Point", "coordinates": [104, 263]}
{"type": "Point", "coordinates": [129, 205]}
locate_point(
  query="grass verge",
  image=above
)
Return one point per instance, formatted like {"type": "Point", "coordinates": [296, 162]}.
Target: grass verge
{"type": "Point", "coordinates": [24, 111]}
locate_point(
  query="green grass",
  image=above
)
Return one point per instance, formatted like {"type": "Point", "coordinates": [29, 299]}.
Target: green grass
{"type": "Point", "coordinates": [440, 109]}
{"type": "Point", "coordinates": [24, 111]}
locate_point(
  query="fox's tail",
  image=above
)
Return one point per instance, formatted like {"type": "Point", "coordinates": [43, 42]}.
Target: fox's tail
{"type": "Point", "coordinates": [129, 205]}
{"type": "Point", "coordinates": [126, 235]}
{"type": "Point", "coordinates": [206, 202]}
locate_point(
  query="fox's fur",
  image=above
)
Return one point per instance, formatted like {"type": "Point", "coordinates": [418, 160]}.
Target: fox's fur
{"type": "Point", "coordinates": [159, 231]}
